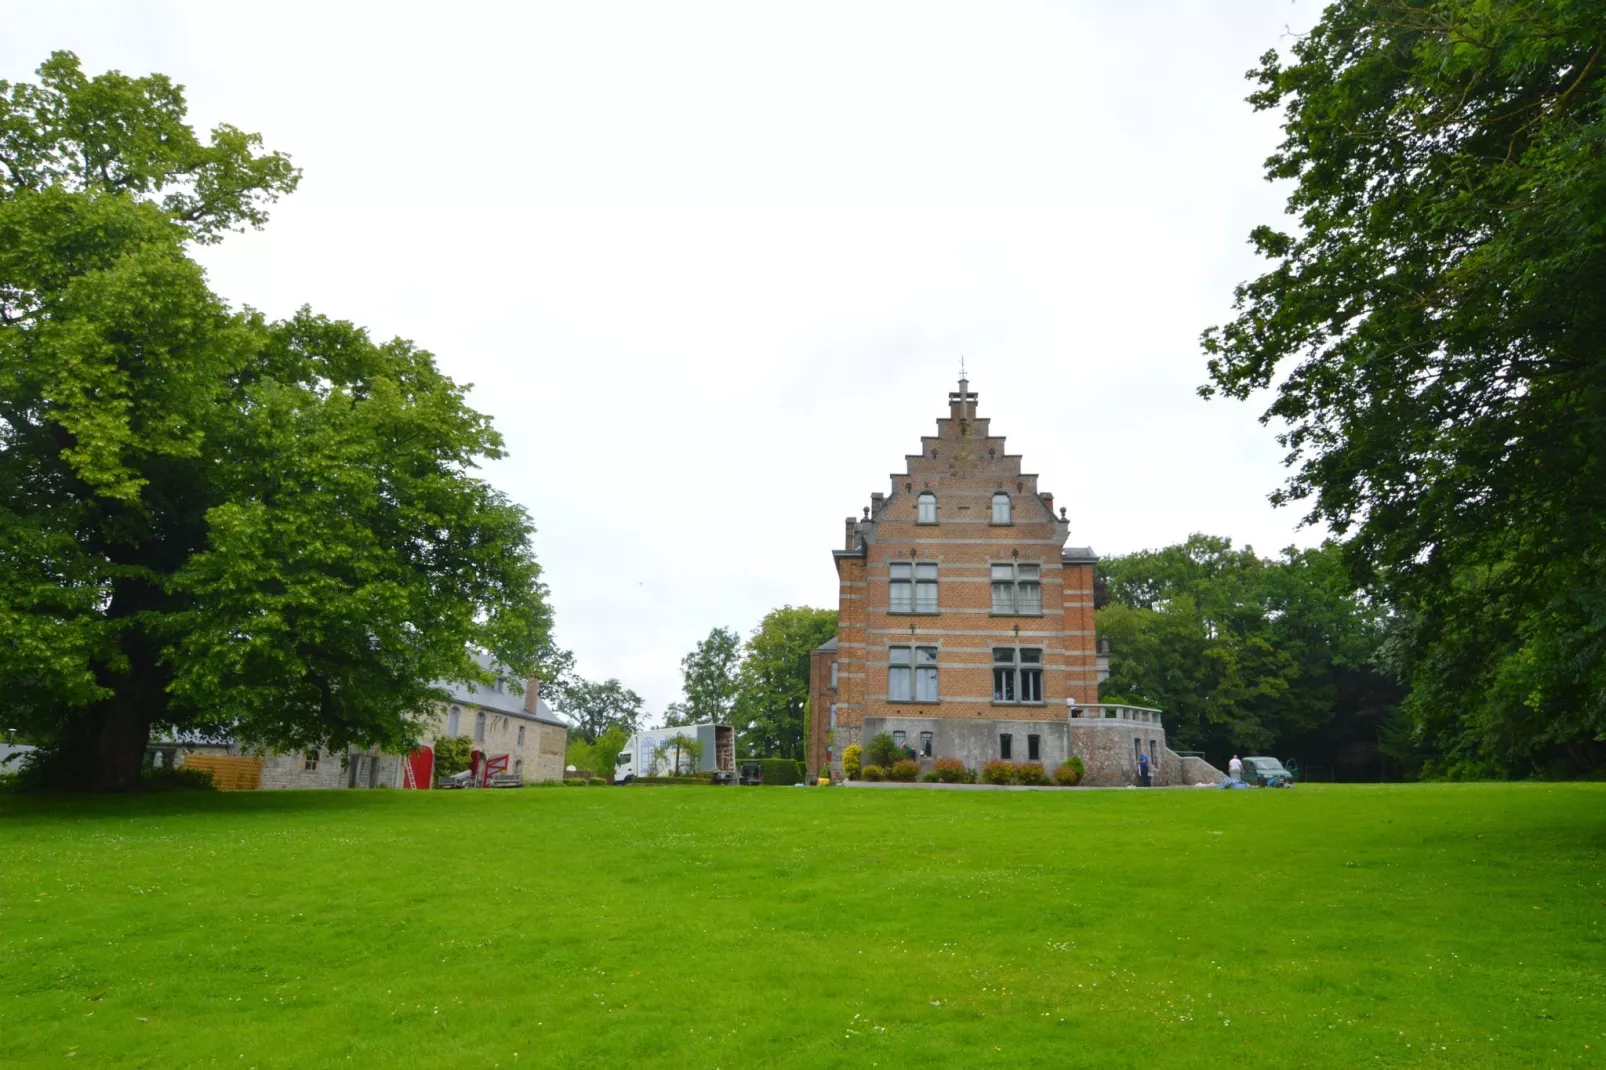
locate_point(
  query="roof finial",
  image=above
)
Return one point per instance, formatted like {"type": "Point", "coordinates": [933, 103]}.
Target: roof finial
{"type": "Point", "coordinates": [961, 367]}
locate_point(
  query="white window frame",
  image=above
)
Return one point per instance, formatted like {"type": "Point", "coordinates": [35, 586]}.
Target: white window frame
{"type": "Point", "coordinates": [833, 675]}
{"type": "Point", "coordinates": [1017, 588]}
{"type": "Point", "coordinates": [926, 508]}
{"type": "Point", "coordinates": [1003, 508]}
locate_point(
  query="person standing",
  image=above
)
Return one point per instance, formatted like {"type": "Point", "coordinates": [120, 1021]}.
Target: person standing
{"type": "Point", "coordinates": [1235, 769]}
{"type": "Point", "coordinates": [1143, 768]}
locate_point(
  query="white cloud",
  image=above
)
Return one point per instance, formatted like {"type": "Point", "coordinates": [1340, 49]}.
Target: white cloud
{"type": "Point", "coordinates": [711, 267]}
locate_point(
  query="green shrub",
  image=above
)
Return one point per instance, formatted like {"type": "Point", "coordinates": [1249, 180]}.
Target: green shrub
{"type": "Point", "coordinates": [874, 772]}
{"type": "Point", "coordinates": [452, 754]}
{"type": "Point", "coordinates": [1030, 773]}
{"type": "Point", "coordinates": [1070, 774]}
{"type": "Point", "coordinates": [779, 772]}
{"type": "Point", "coordinates": [574, 782]}
{"type": "Point", "coordinates": [997, 771]}
{"type": "Point", "coordinates": [597, 782]}
{"type": "Point", "coordinates": [883, 750]}
{"type": "Point", "coordinates": [906, 770]}
{"type": "Point", "coordinates": [950, 771]}
{"type": "Point", "coordinates": [928, 777]}
{"type": "Point", "coordinates": [852, 761]}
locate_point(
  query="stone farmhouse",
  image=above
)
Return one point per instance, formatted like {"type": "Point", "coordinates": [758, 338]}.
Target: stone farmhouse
{"type": "Point", "coordinates": [966, 623]}
{"type": "Point", "coordinates": [498, 722]}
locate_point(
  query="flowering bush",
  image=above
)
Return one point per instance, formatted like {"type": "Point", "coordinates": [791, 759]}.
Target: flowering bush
{"type": "Point", "coordinates": [852, 758]}
{"type": "Point", "coordinates": [1070, 774]}
{"type": "Point", "coordinates": [874, 772]}
{"type": "Point", "coordinates": [906, 770]}
{"type": "Point", "coordinates": [997, 771]}
{"type": "Point", "coordinates": [950, 770]}
{"type": "Point", "coordinates": [1030, 773]}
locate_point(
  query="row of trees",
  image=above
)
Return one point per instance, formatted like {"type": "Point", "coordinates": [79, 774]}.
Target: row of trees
{"type": "Point", "coordinates": [1254, 655]}
{"type": "Point", "coordinates": [760, 686]}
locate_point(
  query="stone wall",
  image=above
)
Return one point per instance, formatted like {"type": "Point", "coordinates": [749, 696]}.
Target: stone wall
{"type": "Point", "coordinates": [290, 770]}
{"type": "Point", "coordinates": [977, 742]}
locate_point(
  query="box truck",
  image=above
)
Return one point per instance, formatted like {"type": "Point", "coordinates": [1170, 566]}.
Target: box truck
{"type": "Point", "coordinates": [718, 753]}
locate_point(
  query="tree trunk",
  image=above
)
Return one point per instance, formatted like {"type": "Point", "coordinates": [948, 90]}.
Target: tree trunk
{"type": "Point", "coordinates": [119, 745]}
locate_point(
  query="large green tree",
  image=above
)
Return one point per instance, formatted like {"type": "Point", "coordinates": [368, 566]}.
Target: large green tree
{"type": "Point", "coordinates": [1250, 654]}
{"type": "Point", "coordinates": [1433, 328]}
{"type": "Point", "coordinates": [710, 678]}
{"type": "Point", "coordinates": [773, 684]}
{"type": "Point", "coordinates": [208, 519]}
{"type": "Point", "coordinates": [593, 707]}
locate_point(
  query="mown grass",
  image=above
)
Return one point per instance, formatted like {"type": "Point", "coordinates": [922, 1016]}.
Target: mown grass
{"type": "Point", "coordinates": [1329, 926]}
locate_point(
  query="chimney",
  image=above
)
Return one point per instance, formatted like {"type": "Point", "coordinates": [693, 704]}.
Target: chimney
{"type": "Point", "coordinates": [877, 499]}
{"type": "Point", "coordinates": [532, 694]}
{"type": "Point", "coordinates": [1048, 500]}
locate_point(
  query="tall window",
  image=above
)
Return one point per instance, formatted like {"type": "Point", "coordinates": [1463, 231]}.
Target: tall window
{"type": "Point", "coordinates": [1034, 748]}
{"type": "Point", "coordinates": [900, 737]}
{"type": "Point", "coordinates": [925, 744]}
{"type": "Point", "coordinates": [1017, 674]}
{"type": "Point", "coordinates": [1005, 745]}
{"type": "Point", "coordinates": [913, 587]}
{"type": "Point", "coordinates": [521, 735]}
{"type": "Point", "coordinates": [1001, 508]}
{"type": "Point", "coordinates": [1018, 590]}
{"type": "Point", "coordinates": [454, 721]}
{"type": "Point", "coordinates": [912, 674]}
{"type": "Point", "coordinates": [479, 727]}
{"type": "Point", "coordinates": [309, 761]}
{"type": "Point", "coordinates": [926, 509]}
{"type": "Point", "coordinates": [833, 674]}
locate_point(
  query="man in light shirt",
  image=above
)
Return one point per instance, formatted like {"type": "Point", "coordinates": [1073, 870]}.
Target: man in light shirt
{"type": "Point", "coordinates": [1235, 768]}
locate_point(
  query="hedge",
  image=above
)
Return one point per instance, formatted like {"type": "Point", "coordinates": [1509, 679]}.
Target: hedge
{"type": "Point", "coordinates": [780, 771]}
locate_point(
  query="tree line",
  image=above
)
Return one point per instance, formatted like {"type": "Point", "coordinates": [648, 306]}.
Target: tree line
{"type": "Point", "coordinates": [760, 686]}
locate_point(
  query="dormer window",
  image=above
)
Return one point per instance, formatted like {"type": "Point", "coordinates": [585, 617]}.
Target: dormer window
{"type": "Point", "coordinates": [1001, 511]}
{"type": "Point", "coordinates": [926, 508]}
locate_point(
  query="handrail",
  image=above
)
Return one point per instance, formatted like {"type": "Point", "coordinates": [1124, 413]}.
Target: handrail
{"type": "Point", "coordinates": [1115, 711]}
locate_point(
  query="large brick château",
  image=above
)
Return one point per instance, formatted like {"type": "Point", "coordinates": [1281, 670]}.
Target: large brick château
{"type": "Point", "coordinates": [966, 622]}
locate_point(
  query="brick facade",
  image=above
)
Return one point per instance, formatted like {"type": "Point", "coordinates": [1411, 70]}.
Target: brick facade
{"type": "Point", "coordinates": [933, 660]}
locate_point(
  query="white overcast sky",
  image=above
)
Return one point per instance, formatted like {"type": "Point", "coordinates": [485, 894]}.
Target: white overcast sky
{"type": "Point", "coordinates": [712, 267]}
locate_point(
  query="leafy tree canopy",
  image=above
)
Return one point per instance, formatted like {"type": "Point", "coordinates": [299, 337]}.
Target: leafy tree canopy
{"type": "Point", "coordinates": [710, 678]}
{"type": "Point", "coordinates": [209, 519]}
{"type": "Point", "coordinates": [1433, 330]}
{"type": "Point", "coordinates": [1249, 654]}
{"type": "Point", "coordinates": [773, 695]}
{"type": "Point", "coordinates": [593, 708]}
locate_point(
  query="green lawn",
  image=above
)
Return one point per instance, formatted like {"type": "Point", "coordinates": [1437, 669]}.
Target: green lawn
{"type": "Point", "coordinates": [755, 927]}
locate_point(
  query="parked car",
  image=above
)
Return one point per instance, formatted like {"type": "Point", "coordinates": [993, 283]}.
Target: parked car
{"type": "Point", "coordinates": [1267, 773]}
{"type": "Point", "coordinates": [465, 779]}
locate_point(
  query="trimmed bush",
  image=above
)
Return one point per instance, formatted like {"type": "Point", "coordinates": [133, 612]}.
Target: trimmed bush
{"type": "Point", "coordinates": [874, 772]}
{"type": "Point", "coordinates": [928, 778]}
{"type": "Point", "coordinates": [1070, 774]}
{"type": "Point", "coordinates": [1030, 773]}
{"type": "Point", "coordinates": [883, 750]}
{"type": "Point", "coordinates": [997, 771]}
{"type": "Point", "coordinates": [950, 771]}
{"type": "Point", "coordinates": [852, 761]}
{"type": "Point", "coordinates": [597, 782]}
{"type": "Point", "coordinates": [906, 770]}
{"type": "Point", "coordinates": [782, 772]}
{"type": "Point", "coordinates": [574, 782]}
